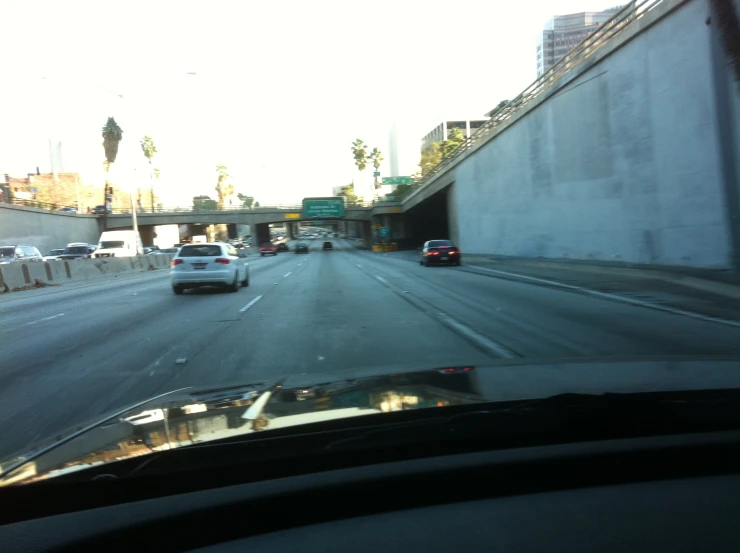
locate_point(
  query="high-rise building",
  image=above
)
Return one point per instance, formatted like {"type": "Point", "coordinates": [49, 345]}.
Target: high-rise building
{"type": "Point", "coordinates": [563, 32]}
{"type": "Point", "coordinates": [442, 131]}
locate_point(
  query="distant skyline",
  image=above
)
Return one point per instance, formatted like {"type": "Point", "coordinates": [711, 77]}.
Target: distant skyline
{"type": "Point", "coordinates": [279, 93]}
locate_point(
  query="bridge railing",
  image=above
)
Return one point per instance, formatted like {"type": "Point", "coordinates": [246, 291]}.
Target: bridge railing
{"type": "Point", "coordinates": [620, 21]}
{"type": "Point", "coordinates": [42, 205]}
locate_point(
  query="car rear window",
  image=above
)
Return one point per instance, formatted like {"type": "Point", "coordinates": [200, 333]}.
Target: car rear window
{"type": "Point", "coordinates": [200, 251]}
{"type": "Point", "coordinates": [266, 245]}
{"type": "Point", "coordinates": [7, 252]}
{"type": "Point", "coordinates": [438, 243]}
{"type": "Point", "coordinates": [76, 249]}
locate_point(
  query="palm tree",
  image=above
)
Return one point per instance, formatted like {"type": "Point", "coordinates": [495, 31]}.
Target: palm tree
{"type": "Point", "coordinates": [229, 193]}
{"type": "Point", "coordinates": [149, 149]}
{"type": "Point", "coordinates": [221, 184]}
{"type": "Point", "coordinates": [376, 157]}
{"type": "Point", "coordinates": [112, 136]}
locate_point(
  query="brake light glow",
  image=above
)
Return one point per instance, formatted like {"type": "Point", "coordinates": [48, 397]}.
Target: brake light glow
{"type": "Point", "coordinates": [453, 252]}
{"type": "Point", "coordinates": [222, 260]}
{"type": "Point", "coordinates": [176, 262]}
{"type": "Point", "coordinates": [433, 253]}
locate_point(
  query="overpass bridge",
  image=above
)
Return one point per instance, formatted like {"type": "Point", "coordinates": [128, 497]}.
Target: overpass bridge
{"type": "Point", "coordinates": [359, 217]}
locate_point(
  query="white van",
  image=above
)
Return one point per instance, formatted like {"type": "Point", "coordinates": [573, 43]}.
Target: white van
{"type": "Point", "coordinates": [119, 243]}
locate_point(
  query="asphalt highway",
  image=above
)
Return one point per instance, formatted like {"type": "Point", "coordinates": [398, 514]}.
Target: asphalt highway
{"type": "Point", "coordinates": [68, 356]}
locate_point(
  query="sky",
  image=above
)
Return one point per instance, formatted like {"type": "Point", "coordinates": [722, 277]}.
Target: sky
{"type": "Point", "coordinates": [274, 90]}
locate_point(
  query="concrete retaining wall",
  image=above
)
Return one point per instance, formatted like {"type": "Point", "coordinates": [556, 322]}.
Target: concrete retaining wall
{"type": "Point", "coordinates": [45, 229]}
{"type": "Point", "coordinates": [621, 164]}
{"type": "Point", "coordinates": [19, 275]}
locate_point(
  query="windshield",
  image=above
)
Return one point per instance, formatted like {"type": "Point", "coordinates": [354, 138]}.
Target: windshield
{"type": "Point", "coordinates": [200, 251]}
{"type": "Point", "coordinates": [547, 191]}
{"type": "Point", "coordinates": [111, 244]}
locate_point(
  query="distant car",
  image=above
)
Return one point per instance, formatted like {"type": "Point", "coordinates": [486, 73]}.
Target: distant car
{"type": "Point", "coordinates": [268, 249]}
{"type": "Point", "coordinates": [163, 251]}
{"type": "Point", "coordinates": [209, 264]}
{"type": "Point", "coordinates": [301, 247]}
{"type": "Point", "coordinates": [68, 210]}
{"type": "Point", "coordinates": [10, 254]}
{"type": "Point", "coordinates": [77, 250]}
{"type": "Point", "coordinates": [440, 252]}
{"type": "Point", "coordinates": [102, 209]}
{"type": "Point", "coordinates": [54, 254]}
{"type": "Point", "coordinates": [283, 247]}
{"type": "Point", "coordinates": [327, 246]}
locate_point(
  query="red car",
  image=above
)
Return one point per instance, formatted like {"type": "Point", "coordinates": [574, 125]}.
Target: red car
{"type": "Point", "coordinates": [268, 249]}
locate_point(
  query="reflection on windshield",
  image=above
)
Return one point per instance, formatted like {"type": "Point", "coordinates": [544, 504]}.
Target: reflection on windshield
{"type": "Point", "coordinates": [217, 414]}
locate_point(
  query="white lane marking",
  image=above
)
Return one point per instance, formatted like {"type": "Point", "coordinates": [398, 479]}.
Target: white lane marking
{"type": "Point", "coordinates": [476, 337]}
{"type": "Point", "coordinates": [614, 297]}
{"type": "Point", "coordinates": [45, 319]}
{"type": "Point", "coordinates": [181, 360]}
{"type": "Point", "coordinates": [381, 279]}
{"type": "Point", "coordinates": [286, 275]}
{"type": "Point", "coordinates": [358, 265]}
{"type": "Point", "coordinates": [250, 304]}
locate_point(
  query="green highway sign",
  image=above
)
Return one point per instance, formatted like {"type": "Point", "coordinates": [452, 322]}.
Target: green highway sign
{"type": "Point", "coordinates": [376, 174]}
{"type": "Point", "coordinates": [323, 208]}
{"type": "Point", "coordinates": [398, 180]}
{"type": "Point", "coordinates": [384, 231]}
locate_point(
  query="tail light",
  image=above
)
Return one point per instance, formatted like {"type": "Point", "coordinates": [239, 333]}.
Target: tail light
{"type": "Point", "coordinates": [175, 262]}
{"type": "Point", "coordinates": [433, 253]}
{"type": "Point", "coordinates": [222, 260]}
{"type": "Point", "coordinates": [453, 252]}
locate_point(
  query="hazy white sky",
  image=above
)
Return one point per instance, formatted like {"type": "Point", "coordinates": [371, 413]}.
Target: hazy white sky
{"type": "Point", "coordinates": [281, 87]}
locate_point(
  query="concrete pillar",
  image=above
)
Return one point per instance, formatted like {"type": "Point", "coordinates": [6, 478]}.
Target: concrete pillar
{"type": "Point", "coordinates": [147, 235]}
{"type": "Point", "coordinates": [232, 230]}
{"type": "Point", "coordinates": [453, 228]}
{"type": "Point", "coordinates": [366, 233]}
{"type": "Point", "coordinates": [290, 231]}
{"type": "Point", "coordinates": [261, 233]}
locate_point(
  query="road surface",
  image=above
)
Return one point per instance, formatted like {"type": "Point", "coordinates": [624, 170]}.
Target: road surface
{"type": "Point", "coordinates": [71, 355]}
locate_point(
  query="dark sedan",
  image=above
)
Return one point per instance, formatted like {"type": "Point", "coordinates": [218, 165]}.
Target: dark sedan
{"type": "Point", "coordinates": [439, 252]}
{"type": "Point", "coordinates": [301, 247]}
{"type": "Point", "coordinates": [282, 247]}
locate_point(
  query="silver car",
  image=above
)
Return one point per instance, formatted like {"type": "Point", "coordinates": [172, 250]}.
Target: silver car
{"type": "Point", "coordinates": [209, 264]}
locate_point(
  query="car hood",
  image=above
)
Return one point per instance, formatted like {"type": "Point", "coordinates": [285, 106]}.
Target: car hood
{"type": "Point", "coordinates": [194, 415]}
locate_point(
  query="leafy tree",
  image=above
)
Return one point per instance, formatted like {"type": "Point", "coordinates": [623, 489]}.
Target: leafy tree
{"type": "Point", "coordinates": [348, 192]}
{"type": "Point", "coordinates": [112, 136]}
{"type": "Point", "coordinates": [454, 139]}
{"type": "Point", "coordinates": [359, 151]}
{"type": "Point", "coordinates": [149, 149]}
{"type": "Point", "coordinates": [204, 203]}
{"type": "Point", "coordinates": [247, 201]}
{"type": "Point", "coordinates": [221, 184]}
{"type": "Point", "coordinates": [376, 157]}
{"type": "Point", "coordinates": [256, 205]}
{"type": "Point", "coordinates": [430, 158]}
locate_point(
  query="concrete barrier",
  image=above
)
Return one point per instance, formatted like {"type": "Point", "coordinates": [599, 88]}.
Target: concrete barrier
{"type": "Point", "coordinates": [18, 275]}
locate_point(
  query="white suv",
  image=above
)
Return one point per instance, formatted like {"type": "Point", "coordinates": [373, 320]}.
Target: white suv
{"type": "Point", "coordinates": [209, 264]}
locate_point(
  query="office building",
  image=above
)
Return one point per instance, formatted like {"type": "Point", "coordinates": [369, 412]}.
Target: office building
{"type": "Point", "coordinates": [442, 131]}
{"type": "Point", "coordinates": [563, 32]}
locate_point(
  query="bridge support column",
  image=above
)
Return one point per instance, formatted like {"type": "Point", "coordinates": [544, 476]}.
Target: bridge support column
{"type": "Point", "coordinates": [232, 230]}
{"type": "Point", "coordinates": [366, 233]}
{"type": "Point", "coordinates": [290, 231]}
{"type": "Point", "coordinates": [147, 235]}
{"type": "Point", "coordinates": [261, 234]}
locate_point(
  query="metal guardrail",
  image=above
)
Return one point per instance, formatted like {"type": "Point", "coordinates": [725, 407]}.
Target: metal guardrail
{"type": "Point", "coordinates": [630, 13]}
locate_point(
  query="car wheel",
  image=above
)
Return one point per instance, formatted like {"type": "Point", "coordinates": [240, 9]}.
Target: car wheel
{"type": "Point", "coordinates": [457, 263]}
{"type": "Point", "coordinates": [421, 262]}
{"type": "Point", "coordinates": [262, 255]}
{"type": "Point", "coordinates": [177, 289]}
{"type": "Point", "coordinates": [245, 282]}
{"type": "Point", "coordinates": [234, 286]}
